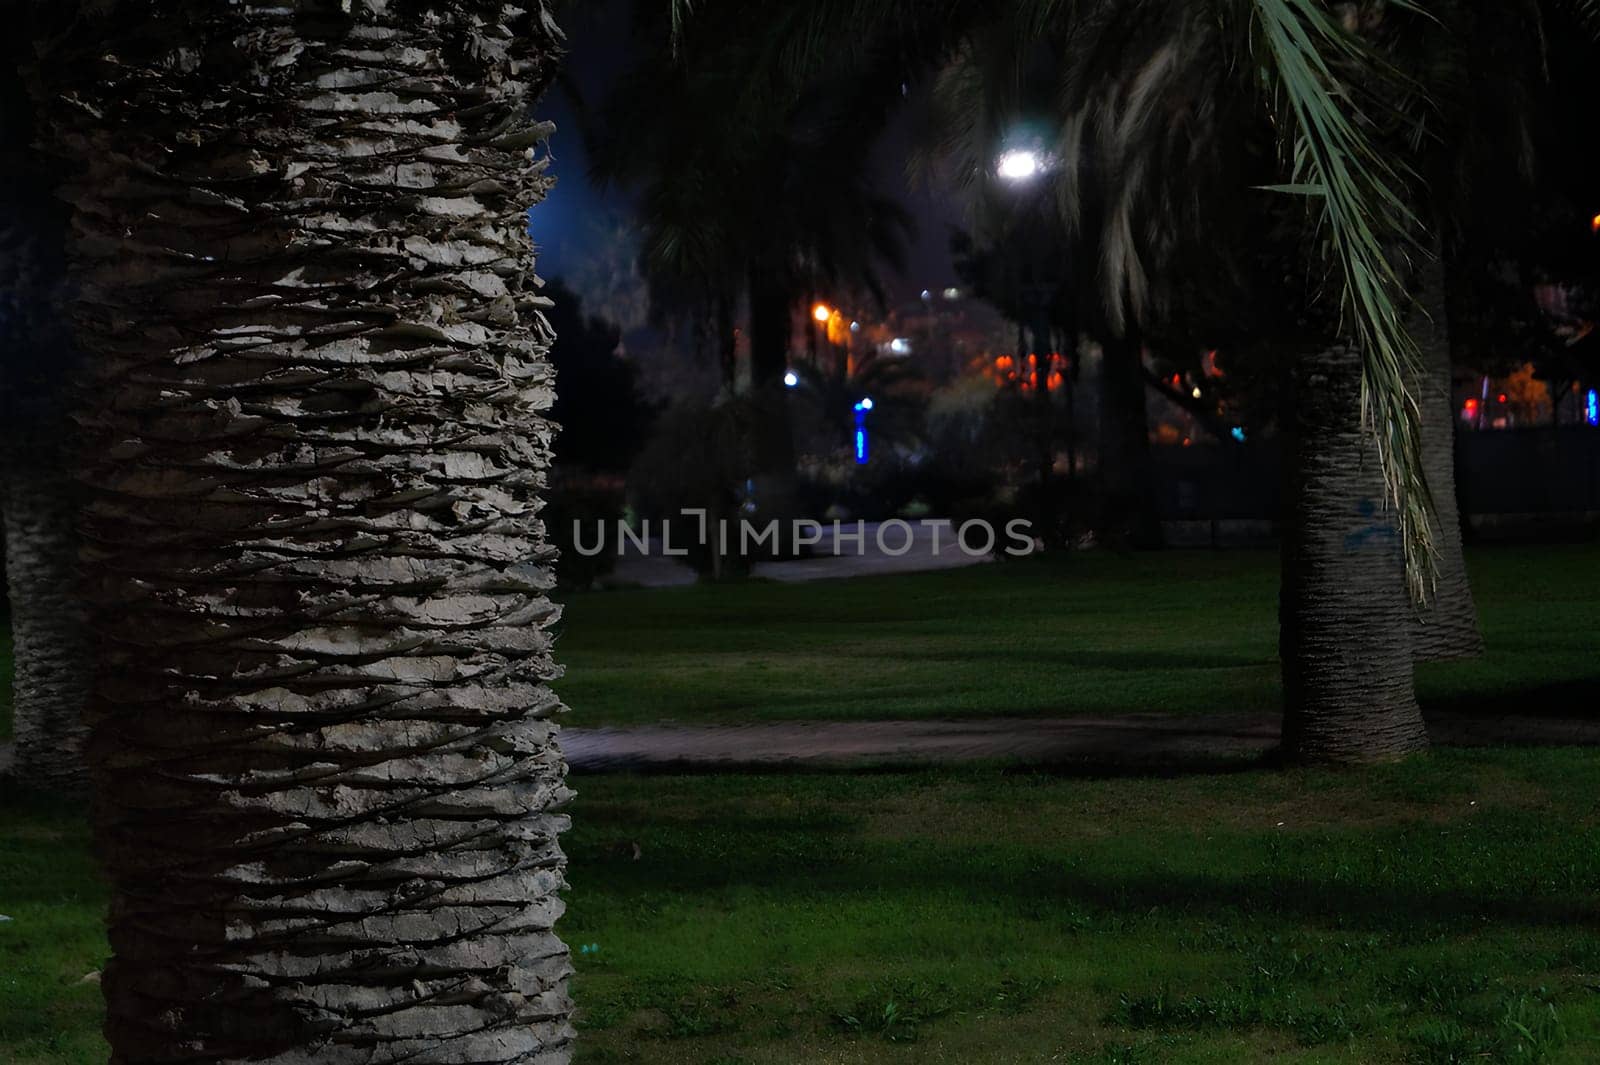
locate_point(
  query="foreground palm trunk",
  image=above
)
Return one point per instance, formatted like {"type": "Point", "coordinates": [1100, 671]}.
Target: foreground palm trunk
{"type": "Point", "coordinates": [1346, 615]}
{"type": "Point", "coordinates": [1446, 625]}
{"type": "Point", "coordinates": [322, 737]}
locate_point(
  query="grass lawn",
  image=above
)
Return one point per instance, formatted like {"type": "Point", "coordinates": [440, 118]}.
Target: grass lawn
{"type": "Point", "coordinates": [1440, 911]}
{"type": "Point", "coordinates": [1185, 632]}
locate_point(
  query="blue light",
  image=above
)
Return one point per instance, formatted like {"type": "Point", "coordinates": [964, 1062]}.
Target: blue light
{"type": "Point", "coordinates": [1591, 408]}
{"type": "Point", "coordinates": [861, 447]}
{"type": "Point", "coordinates": [1238, 433]}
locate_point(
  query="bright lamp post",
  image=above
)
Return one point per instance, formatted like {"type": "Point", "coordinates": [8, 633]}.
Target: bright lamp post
{"type": "Point", "coordinates": [1019, 164]}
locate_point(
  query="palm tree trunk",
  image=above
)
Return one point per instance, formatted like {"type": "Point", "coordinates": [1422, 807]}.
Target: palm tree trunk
{"type": "Point", "coordinates": [51, 677]}
{"type": "Point", "coordinates": [1128, 516]}
{"type": "Point", "coordinates": [36, 362]}
{"type": "Point", "coordinates": [1345, 614]}
{"type": "Point", "coordinates": [772, 435]}
{"type": "Point", "coordinates": [770, 328]}
{"type": "Point", "coordinates": [323, 741]}
{"type": "Point", "coordinates": [1446, 626]}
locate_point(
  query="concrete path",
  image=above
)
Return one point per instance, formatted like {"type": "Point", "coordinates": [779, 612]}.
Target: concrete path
{"type": "Point", "coordinates": [1131, 741]}
{"type": "Point", "coordinates": [830, 558]}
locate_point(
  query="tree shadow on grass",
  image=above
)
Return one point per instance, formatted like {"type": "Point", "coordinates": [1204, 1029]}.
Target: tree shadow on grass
{"type": "Point", "coordinates": [1577, 699]}
{"type": "Point", "coordinates": [808, 865]}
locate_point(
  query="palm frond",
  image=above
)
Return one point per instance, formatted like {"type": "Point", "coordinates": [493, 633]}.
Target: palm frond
{"type": "Point", "coordinates": [681, 10]}
{"type": "Point", "coordinates": [1366, 225]}
{"type": "Point", "coordinates": [1587, 12]}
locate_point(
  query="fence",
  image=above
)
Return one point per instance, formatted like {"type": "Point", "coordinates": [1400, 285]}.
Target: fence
{"type": "Point", "coordinates": [1514, 481]}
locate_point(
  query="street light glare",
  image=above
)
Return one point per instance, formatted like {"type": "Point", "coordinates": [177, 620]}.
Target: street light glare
{"type": "Point", "coordinates": [1019, 165]}
{"type": "Point", "coordinates": [822, 312]}
{"type": "Point", "coordinates": [791, 379]}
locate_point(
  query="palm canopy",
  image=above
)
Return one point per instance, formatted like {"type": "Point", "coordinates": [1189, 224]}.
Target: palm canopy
{"type": "Point", "coordinates": [740, 167]}
{"type": "Point", "coordinates": [1144, 91]}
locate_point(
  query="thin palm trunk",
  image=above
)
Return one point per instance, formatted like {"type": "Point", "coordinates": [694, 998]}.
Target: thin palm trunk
{"type": "Point", "coordinates": [772, 433]}
{"type": "Point", "coordinates": [36, 360]}
{"type": "Point", "coordinates": [1128, 517]}
{"type": "Point", "coordinates": [1345, 615]}
{"type": "Point", "coordinates": [323, 742]}
{"type": "Point", "coordinates": [1446, 626]}
{"type": "Point", "coordinates": [770, 328]}
{"type": "Point", "coordinates": [51, 678]}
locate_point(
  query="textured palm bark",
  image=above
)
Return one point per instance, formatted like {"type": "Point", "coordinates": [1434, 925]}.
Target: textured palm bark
{"type": "Point", "coordinates": [51, 677]}
{"type": "Point", "coordinates": [323, 739]}
{"type": "Point", "coordinates": [1446, 625]}
{"type": "Point", "coordinates": [1346, 615]}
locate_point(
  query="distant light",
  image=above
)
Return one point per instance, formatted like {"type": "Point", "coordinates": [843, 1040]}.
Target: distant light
{"type": "Point", "coordinates": [861, 447]}
{"type": "Point", "coordinates": [1188, 442]}
{"type": "Point", "coordinates": [865, 404]}
{"type": "Point", "coordinates": [926, 295]}
{"type": "Point", "coordinates": [1472, 403]}
{"type": "Point", "coordinates": [855, 327]}
{"type": "Point", "coordinates": [1502, 397]}
{"type": "Point", "coordinates": [822, 312]}
{"type": "Point", "coordinates": [1594, 224]}
{"type": "Point", "coordinates": [1591, 408]}
{"type": "Point", "coordinates": [1238, 433]}
{"type": "Point", "coordinates": [1196, 393]}
{"type": "Point", "coordinates": [952, 293]}
{"type": "Point", "coordinates": [1019, 164]}
{"type": "Point", "coordinates": [900, 346]}
{"type": "Point", "coordinates": [791, 379]}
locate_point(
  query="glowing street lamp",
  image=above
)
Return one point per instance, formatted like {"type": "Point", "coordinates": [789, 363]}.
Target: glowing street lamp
{"type": "Point", "coordinates": [791, 379]}
{"type": "Point", "coordinates": [1019, 164]}
{"type": "Point", "coordinates": [822, 312]}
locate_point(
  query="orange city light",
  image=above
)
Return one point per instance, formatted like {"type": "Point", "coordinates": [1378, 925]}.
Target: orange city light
{"type": "Point", "coordinates": [822, 312]}
{"type": "Point", "coordinates": [1594, 224]}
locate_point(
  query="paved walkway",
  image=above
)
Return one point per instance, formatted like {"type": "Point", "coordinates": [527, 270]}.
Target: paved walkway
{"type": "Point", "coordinates": [924, 550]}
{"type": "Point", "coordinates": [1133, 740]}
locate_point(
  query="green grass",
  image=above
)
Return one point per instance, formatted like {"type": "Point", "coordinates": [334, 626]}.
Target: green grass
{"type": "Point", "coordinates": [1185, 632]}
{"type": "Point", "coordinates": [1438, 911]}
{"type": "Point", "coordinates": [51, 891]}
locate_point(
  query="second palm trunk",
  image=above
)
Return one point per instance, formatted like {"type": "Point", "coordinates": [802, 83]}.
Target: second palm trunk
{"type": "Point", "coordinates": [1346, 619]}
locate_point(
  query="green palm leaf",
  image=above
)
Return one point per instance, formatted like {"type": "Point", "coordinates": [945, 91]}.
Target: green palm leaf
{"type": "Point", "coordinates": [1367, 226]}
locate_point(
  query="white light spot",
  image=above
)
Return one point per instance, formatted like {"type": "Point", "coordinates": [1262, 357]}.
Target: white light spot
{"type": "Point", "coordinates": [1019, 165]}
